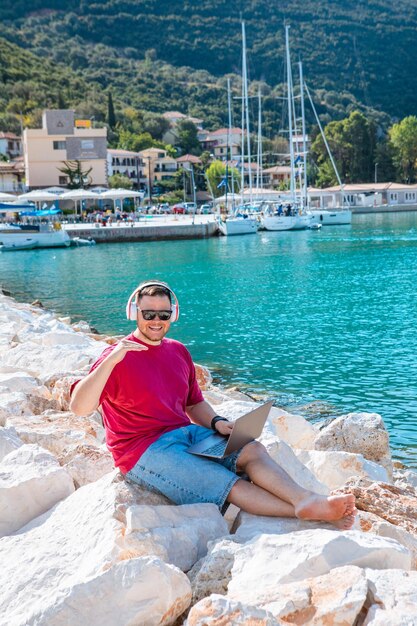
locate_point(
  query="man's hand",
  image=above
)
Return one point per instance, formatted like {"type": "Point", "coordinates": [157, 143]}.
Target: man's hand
{"type": "Point", "coordinates": [123, 347]}
{"type": "Point", "coordinates": [224, 428]}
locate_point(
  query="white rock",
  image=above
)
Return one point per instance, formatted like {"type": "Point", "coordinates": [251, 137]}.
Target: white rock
{"type": "Point", "coordinates": [42, 363]}
{"type": "Point", "coordinates": [31, 482]}
{"type": "Point", "coordinates": [368, 522]}
{"type": "Point", "coordinates": [72, 566]}
{"type": "Point", "coordinates": [175, 533]}
{"type": "Point", "coordinates": [86, 463]}
{"type": "Point", "coordinates": [405, 478]}
{"type": "Point", "coordinates": [334, 468]}
{"type": "Point", "coordinates": [278, 559]}
{"type": "Point", "coordinates": [360, 433]}
{"type": "Point", "coordinates": [220, 611]}
{"type": "Point", "coordinates": [212, 573]}
{"type": "Point", "coordinates": [9, 441]}
{"type": "Point", "coordinates": [248, 526]}
{"type": "Point", "coordinates": [393, 596]}
{"type": "Point", "coordinates": [14, 404]}
{"type": "Point", "coordinates": [283, 454]}
{"type": "Point", "coordinates": [293, 429]}
{"type": "Point", "coordinates": [21, 382]}
{"type": "Point", "coordinates": [334, 598]}
{"type": "Point", "coordinates": [58, 431]}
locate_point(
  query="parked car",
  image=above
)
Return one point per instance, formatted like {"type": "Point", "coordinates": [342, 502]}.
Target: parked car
{"type": "Point", "coordinates": [164, 208]}
{"type": "Point", "coordinates": [190, 207]}
{"type": "Point", "coordinates": [205, 209]}
{"type": "Point", "coordinates": [179, 208]}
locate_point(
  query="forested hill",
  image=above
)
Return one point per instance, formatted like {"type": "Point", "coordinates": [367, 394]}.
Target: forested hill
{"type": "Point", "coordinates": [352, 51]}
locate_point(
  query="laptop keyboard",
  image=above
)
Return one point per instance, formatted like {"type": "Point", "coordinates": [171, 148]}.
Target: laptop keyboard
{"type": "Point", "coordinates": [217, 449]}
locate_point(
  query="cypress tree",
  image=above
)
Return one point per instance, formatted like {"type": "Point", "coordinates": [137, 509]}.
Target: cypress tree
{"type": "Point", "coordinates": [111, 116]}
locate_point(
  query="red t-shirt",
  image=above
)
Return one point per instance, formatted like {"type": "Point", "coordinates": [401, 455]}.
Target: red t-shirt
{"type": "Point", "coordinates": [146, 396]}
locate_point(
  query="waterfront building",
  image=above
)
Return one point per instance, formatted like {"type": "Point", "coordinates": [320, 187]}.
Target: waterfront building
{"type": "Point", "coordinates": [62, 138]}
{"type": "Point", "coordinates": [10, 145]}
{"type": "Point", "coordinates": [365, 197]}
{"type": "Point", "coordinates": [127, 163]}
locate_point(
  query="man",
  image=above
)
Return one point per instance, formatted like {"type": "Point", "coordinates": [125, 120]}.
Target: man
{"type": "Point", "coordinates": [153, 410]}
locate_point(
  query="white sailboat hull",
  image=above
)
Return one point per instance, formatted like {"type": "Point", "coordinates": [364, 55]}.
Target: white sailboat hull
{"type": "Point", "coordinates": [238, 226]}
{"type": "Point", "coordinates": [328, 218]}
{"type": "Point", "coordinates": [286, 222]}
{"type": "Point", "coordinates": [49, 239]}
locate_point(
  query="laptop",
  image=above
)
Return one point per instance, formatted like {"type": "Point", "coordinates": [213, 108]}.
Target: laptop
{"type": "Point", "coordinates": [245, 429]}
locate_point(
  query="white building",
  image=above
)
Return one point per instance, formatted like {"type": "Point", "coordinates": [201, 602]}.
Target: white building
{"type": "Point", "coordinates": [126, 163]}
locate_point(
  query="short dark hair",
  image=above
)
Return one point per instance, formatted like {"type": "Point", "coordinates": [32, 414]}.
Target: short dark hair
{"type": "Point", "coordinates": [157, 289]}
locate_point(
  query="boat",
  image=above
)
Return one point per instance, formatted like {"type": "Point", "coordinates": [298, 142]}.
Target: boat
{"type": "Point", "coordinates": [293, 215]}
{"type": "Point", "coordinates": [28, 244]}
{"type": "Point", "coordinates": [238, 225]}
{"type": "Point", "coordinates": [239, 222]}
{"type": "Point", "coordinates": [329, 218]}
{"type": "Point", "coordinates": [45, 235]}
{"type": "Point", "coordinates": [315, 227]}
{"type": "Point", "coordinates": [80, 241]}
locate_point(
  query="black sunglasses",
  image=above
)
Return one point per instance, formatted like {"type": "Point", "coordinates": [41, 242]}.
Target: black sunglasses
{"type": "Point", "coordinates": [150, 315]}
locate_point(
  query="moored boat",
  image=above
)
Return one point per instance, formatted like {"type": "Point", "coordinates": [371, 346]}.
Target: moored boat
{"type": "Point", "coordinates": [238, 225]}
{"type": "Point", "coordinates": [44, 235]}
{"type": "Point", "coordinates": [329, 218]}
{"type": "Point", "coordinates": [28, 244]}
{"type": "Point", "coordinates": [80, 241]}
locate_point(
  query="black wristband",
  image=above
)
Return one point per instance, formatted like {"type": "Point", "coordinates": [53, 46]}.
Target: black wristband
{"type": "Point", "coordinates": [217, 418]}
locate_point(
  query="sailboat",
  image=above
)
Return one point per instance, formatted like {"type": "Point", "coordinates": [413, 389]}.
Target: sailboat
{"type": "Point", "coordinates": [290, 214]}
{"type": "Point", "coordinates": [240, 222]}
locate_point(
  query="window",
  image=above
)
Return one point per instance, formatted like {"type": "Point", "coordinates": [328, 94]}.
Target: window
{"type": "Point", "coordinates": [60, 145]}
{"type": "Point", "coordinates": [63, 180]}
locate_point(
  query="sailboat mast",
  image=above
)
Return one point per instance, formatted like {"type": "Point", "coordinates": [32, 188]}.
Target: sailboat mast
{"type": "Point", "coordinates": [246, 105]}
{"type": "Point", "coordinates": [290, 116]}
{"type": "Point", "coordinates": [229, 150]}
{"type": "Point", "coordinates": [303, 129]}
{"type": "Point", "coordinates": [259, 156]}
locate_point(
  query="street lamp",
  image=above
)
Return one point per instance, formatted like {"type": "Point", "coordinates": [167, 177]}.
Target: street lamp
{"type": "Point", "coordinates": [149, 180]}
{"type": "Point", "coordinates": [376, 173]}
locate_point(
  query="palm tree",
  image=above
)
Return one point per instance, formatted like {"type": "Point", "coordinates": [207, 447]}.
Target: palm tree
{"type": "Point", "coordinates": [78, 178]}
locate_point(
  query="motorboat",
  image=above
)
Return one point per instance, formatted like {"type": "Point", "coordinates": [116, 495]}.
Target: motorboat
{"type": "Point", "coordinates": [45, 235]}
{"type": "Point", "coordinates": [27, 244]}
{"type": "Point", "coordinates": [315, 227]}
{"type": "Point", "coordinates": [80, 241]}
{"type": "Point", "coordinates": [328, 218]}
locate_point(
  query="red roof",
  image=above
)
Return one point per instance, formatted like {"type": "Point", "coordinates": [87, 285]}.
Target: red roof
{"type": "Point", "coordinates": [188, 158]}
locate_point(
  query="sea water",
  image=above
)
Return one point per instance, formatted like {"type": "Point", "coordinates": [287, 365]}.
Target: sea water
{"type": "Point", "coordinates": [323, 321]}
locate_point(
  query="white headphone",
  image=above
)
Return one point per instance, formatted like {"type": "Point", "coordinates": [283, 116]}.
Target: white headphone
{"type": "Point", "coordinates": [132, 309]}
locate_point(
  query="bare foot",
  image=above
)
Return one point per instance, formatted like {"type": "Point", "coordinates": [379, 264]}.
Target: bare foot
{"type": "Point", "coordinates": [326, 509]}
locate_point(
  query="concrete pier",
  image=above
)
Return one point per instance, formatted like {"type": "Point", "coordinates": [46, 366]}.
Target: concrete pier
{"type": "Point", "coordinates": [148, 230]}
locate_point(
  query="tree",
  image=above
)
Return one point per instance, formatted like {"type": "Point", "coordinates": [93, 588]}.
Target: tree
{"type": "Point", "coordinates": [188, 137]}
{"type": "Point", "coordinates": [352, 142]}
{"type": "Point", "coordinates": [111, 116]}
{"type": "Point", "coordinates": [216, 174]}
{"type": "Point", "coordinates": [78, 177]}
{"type": "Point", "coordinates": [403, 139]}
{"type": "Point", "coordinates": [119, 181]}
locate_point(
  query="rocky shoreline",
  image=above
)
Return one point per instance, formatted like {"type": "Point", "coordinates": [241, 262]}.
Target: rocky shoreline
{"type": "Point", "coordinates": [80, 546]}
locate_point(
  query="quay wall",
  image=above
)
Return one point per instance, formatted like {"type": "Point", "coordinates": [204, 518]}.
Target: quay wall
{"type": "Point", "coordinates": [117, 234]}
{"type": "Point", "coordinates": [385, 208]}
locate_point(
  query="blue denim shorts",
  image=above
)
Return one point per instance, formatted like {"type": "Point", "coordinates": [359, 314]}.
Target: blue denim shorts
{"type": "Point", "coordinates": [185, 478]}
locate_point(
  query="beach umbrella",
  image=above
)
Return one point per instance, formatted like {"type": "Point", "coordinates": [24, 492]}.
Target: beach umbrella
{"type": "Point", "coordinates": [7, 197]}
{"type": "Point", "coordinates": [37, 196]}
{"type": "Point", "coordinates": [79, 195]}
{"type": "Point", "coordinates": [121, 194]}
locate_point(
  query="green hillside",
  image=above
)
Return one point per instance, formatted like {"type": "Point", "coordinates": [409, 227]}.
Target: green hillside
{"type": "Point", "coordinates": [156, 55]}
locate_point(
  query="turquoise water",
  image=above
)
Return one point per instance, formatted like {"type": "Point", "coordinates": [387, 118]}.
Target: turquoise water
{"type": "Point", "coordinates": [326, 322]}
